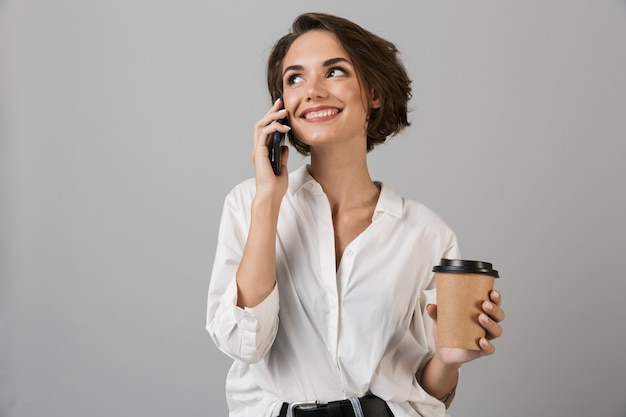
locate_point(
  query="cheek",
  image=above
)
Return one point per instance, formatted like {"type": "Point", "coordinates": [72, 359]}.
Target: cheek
{"type": "Point", "coordinates": [356, 97]}
{"type": "Point", "coordinates": [290, 102]}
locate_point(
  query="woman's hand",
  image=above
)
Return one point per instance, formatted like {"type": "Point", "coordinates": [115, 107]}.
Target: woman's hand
{"type": "Point", "coordinates": [268, 184]}
{"type": "Point", "coordinates": [440, 375]}
{"type": "Point", "coordinates": [489, 319]}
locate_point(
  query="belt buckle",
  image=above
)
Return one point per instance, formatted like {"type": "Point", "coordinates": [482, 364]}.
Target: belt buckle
{"type": "Point", "coordinates": [300, 405]}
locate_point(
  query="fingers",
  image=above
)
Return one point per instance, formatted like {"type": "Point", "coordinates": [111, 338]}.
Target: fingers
{"type": "Point", "coordinates": [493, 329]}
{"type": "Point", "coordinates": [494, 311]}
{"type": "Point", "coordinates": [492, 307]}
{"type": "Point", "coordinates": [492, 316]}
{"type": "Point", "coordinates": [271, 113]}
{"type": "Point", "coordinates": [262, 134]}
{"type": "Point", "coordinates": [496, 297]}
{"type": "Point", "coordinates": [269, 123]}
{"type": "Point", "coordinates": [267, 183]}
{"type": "Point", "coordinates": [263, 130]}
{"type": "Point", "coordinates": [486, 347]}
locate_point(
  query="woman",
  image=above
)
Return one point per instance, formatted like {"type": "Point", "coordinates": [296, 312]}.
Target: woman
{"type": "Point", "coordinates": [322, 289]}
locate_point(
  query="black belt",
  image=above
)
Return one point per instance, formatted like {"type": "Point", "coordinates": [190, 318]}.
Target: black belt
{"type": "Point", "coordinates": [371, 405]}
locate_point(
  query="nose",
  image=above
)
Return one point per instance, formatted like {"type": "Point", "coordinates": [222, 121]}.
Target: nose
{"type": "Point", "coordinates": [316, 89]}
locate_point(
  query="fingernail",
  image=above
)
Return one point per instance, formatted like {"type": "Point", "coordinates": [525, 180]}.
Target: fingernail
{"type": "Point", "coordinates": [484, 343]}
{"type": "Point", "coordinates": [484, 318]}
{"type": "Point", "coordinates": [488, 306]}
{"type": "Point", "coordinates": [496, 294]}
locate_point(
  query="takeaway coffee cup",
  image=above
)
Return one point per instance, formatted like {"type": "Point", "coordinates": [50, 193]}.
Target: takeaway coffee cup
{"type": "Point", "coordinates": [462, 287]}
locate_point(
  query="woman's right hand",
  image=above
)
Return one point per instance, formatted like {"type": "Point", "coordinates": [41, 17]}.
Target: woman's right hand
{"type": "Point", "coordinates": [267, 183]}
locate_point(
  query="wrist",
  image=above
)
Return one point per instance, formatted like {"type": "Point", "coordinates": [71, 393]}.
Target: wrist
{"type": "Point", "coordinates": [445, 366]}
{"type": "Point", "coordinates": [267, 203]}
{"type": "Point", "coordinates": [439, 378]}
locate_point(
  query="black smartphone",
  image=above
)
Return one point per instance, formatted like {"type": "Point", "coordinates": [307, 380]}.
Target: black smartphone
{"type": "Point", "coordinates": [274, 145]}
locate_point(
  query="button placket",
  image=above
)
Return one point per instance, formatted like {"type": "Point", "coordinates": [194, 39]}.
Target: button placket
{"type": "Point", "coordinates": [326, 241]}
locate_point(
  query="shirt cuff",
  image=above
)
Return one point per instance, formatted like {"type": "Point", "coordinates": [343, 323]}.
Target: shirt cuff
{"type": "Point", "coordinates": [429, 297]}
{"type": "Point", "coordinates": [267, 310]}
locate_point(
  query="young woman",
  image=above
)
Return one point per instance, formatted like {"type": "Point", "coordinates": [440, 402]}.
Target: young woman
{"type": "Point", "coordinates": [322, 289]}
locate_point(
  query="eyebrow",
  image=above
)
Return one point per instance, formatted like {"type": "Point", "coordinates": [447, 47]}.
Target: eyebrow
{"type": "Point", "coordinates": [327, 63]}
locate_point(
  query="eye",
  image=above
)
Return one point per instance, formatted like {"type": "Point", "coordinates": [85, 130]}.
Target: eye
{"type": "Point", "coordinates": [293, 79]}
{"type": "Point", "coordinates": [337, 72]}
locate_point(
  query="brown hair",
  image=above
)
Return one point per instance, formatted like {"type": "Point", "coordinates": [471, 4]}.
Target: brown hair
{"type": "Point", "coordinates": [376, 62]}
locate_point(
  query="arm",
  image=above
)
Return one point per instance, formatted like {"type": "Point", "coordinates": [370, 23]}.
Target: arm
{"type": "Point", "coordinates": [256, 276]}
{"type": "Point", "coordinates": [245, 333]}
{"type": "Point", "coordinates": [242, 313]}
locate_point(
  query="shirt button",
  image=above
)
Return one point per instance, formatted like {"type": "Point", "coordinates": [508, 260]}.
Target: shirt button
{"type": "Point", "coordinates": [349, 253]}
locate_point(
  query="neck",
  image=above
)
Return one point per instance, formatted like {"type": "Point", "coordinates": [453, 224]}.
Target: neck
{"type": "Point", "coordinates": [345, 178]}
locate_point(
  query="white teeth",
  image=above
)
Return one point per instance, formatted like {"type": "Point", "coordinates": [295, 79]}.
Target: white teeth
{"type": "Point", "coordinates": [322, 113]}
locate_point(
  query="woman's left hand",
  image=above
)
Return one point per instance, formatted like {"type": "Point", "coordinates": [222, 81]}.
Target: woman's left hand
{"type": "Point", "coordinates": [489, 319]}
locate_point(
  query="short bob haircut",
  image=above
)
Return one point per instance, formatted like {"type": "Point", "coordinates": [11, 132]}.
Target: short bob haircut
{"type": "Point", "coordinates": [376, 62]}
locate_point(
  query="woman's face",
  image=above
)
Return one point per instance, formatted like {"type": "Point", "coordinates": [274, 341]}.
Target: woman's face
{"type": "Point", "coordinates": [322, 93]}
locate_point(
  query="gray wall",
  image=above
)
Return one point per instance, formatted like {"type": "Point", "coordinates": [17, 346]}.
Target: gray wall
{"type": "Point", "coordinates": [125, 122]}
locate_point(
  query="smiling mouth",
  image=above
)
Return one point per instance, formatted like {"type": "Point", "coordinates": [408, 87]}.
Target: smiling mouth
{"type": "Point", "coordinates": [321, 113]}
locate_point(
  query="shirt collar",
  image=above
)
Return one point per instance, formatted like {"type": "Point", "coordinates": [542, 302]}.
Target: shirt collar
{"type": "Point", "coordinates": [301, 179]}
{"type": "Point", "coordinates": [388, 202]}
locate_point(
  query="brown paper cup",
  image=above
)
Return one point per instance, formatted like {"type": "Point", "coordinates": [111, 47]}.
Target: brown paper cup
{"type": "Point", "coordinates": [461, 290]}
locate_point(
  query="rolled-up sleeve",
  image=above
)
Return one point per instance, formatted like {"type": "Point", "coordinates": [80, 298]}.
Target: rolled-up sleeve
{"type": "Point", "coordinates": [245, 334]}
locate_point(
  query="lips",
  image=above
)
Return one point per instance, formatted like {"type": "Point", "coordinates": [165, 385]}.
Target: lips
{"type": "Point", "coordinates": [318, 113]}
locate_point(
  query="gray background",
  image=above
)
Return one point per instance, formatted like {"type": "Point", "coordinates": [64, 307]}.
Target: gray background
{"type": "Point", "coordinates": [124, 123]}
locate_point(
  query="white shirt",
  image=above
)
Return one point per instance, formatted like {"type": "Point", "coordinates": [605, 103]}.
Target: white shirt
{"type": "Point", "coordinates": [328, 333]}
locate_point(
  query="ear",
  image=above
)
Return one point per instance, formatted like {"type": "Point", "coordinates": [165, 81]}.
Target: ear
{"type": "Point", "coordinates": [375, 101]}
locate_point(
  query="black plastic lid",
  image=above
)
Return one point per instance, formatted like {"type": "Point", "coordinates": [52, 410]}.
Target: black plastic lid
{"type": "Point", "coordinates": [462, 266]}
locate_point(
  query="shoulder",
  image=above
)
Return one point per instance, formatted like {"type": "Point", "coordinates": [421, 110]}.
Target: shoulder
{"type": "Point", "coordinates": [417, 215]}
{"type": "Point", "coordinates": [418, 210]}
{"type": "Point", "coordinates": [430, 228]}
{"type": "Point", "coordinates": [406, 208]}
{"type": "Point", "coordinates": [241, 194]}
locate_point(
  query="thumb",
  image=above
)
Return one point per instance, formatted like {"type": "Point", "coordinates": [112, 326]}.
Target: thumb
{"type": "Point", "coordinates": [432, 311]}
